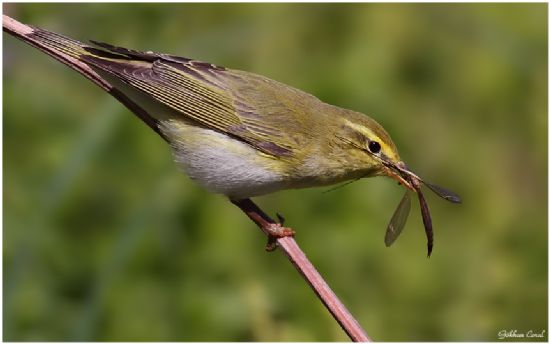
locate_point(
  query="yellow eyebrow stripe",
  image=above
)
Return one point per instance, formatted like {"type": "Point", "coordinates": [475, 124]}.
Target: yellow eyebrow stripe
{"type": "Point", "coordinates": [371, 136]}
{"type": "Point", "coordinates": [363, 130]}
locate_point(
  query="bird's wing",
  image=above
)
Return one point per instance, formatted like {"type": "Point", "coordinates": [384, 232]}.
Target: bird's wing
{"type": "Point", "coordinates": [243, 105]}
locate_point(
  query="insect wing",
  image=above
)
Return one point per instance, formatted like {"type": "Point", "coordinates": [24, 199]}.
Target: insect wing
{"type": "Point", "coordinates": [427, 219]}
{"type": "Point", "coordinates": [444, 193]}
{"type": "Point", "coordinates": [398, 219]}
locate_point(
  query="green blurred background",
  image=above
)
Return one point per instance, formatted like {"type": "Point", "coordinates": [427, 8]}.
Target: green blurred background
{"type": "Point", "coordinates": [104, 239]}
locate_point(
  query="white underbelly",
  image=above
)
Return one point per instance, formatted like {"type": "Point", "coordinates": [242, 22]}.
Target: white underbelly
{"type": "Point", "coordinates": [222, 164]}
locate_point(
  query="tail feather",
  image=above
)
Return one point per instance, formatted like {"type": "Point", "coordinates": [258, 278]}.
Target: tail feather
{"type": "Point", "coordinates": [77, 49]}
{"type": "Point", "coordinates": [68, 46]}
{"type": "Point", "coordinates": [71, 53]}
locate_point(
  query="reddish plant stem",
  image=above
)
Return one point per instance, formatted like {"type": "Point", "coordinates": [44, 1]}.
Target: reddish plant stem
{"type": "Point", "coordinates": [308, 271]}
{"type": "Point", "coordinates": [287, 244]}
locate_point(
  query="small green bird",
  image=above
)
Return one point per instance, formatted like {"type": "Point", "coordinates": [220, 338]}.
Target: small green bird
{"type": "Point", "coordinates": [243, 135]}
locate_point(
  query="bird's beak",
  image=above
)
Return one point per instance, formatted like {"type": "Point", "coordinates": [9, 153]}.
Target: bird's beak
{"type": "Point", "coordinates": [400, 172]}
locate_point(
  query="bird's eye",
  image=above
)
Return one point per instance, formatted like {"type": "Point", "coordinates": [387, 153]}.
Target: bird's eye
{"type": "Point", "coordinates": [374, 147]}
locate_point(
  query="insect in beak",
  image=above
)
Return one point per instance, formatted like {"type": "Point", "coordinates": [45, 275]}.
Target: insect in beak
{"type": "Point", "coordinates": [400, 172]}
{"type": "Point", "coordinates": [397, 172]}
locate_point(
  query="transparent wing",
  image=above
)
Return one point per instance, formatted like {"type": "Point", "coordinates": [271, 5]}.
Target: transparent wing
{"type": "Point", "coordinates": [398, 219]}
{"type": "Point", "coordinates": [444, 193]}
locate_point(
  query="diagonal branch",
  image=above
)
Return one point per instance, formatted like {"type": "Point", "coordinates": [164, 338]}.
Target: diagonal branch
{"type": "Point", "coordinates": [308, 271]}
{"type": "Point", "coordinates": [287, 244]}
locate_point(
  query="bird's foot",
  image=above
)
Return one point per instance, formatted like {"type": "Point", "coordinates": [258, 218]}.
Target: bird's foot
{"type": "Point", "coordinates": [273, 229]}
{"type": "Point", "coordinates": [276, 231]}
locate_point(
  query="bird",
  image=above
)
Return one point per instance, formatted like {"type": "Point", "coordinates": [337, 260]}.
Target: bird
{"type": "Point", "coordinates": [243, 135]}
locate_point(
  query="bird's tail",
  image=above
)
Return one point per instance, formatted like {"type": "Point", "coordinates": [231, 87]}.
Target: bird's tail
{"type": "Point", "coordinates": [70, 52]}
{"type": "Point", "coordinates": [56, 42]}
{"type": "Point", "coordinates": [63, 49]}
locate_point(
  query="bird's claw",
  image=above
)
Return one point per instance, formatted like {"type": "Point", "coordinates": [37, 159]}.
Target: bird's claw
{"type": "Point", "coordinates": [276, 231]}
{"type": "Point", "coordinates": [281, 219]}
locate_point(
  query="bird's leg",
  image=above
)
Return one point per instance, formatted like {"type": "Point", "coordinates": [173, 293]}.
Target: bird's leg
{"type": "Point", "coordinates": [272, 229]}
{"type": "Point", "coordinates": [281, 219]}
